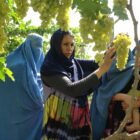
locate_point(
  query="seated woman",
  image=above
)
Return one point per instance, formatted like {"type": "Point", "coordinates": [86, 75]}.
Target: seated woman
{"type": "Point", "coordinates": [113, 82]}
{"type": "Point", "coordinates": [117, 113]}
{"type": "Point", "coordinates": [21, 103]}
{"type": "Point", "coordinates": [134, 118]}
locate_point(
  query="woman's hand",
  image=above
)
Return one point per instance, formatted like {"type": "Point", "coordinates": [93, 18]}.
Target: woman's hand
{"type": "Point", "coordinates": [108, 58]}
{"type": "Point", "coordinates": [126, 104]}
{"type": "Point", "coordinates": [126, 100]}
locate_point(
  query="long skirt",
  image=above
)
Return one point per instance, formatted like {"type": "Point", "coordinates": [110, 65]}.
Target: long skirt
{"type": "Point", "coordinates": [66, 118]}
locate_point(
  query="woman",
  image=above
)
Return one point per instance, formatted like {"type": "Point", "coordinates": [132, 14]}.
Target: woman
{"type": "Point", "coordinates": [21, 101]}
{"type": "Point", "coordinates": [116, 110]}
{"type": "Point", "coordinates": [113, 82]}
{"type": "Point", "coordinates": [66, 113]}
{"type": "Point", "coordinates": [134, 117]}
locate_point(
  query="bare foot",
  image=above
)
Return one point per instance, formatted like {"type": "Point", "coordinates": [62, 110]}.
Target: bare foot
{"type": "Point", "coordinates": [133, 127]}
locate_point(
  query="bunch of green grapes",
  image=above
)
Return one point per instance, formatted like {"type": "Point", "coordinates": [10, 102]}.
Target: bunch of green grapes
{"type": "Point", "coordinates": [48, 10]}
{"type": "Point", "coordinates": [120, 3]}
{"type": "Point", "coordinates": [103, 34]}
{"type": "Point", "coordinates": [42, 8]}
{"type": "Point", "coordinates": [87, 29]}
{"type": "Point", "coordinates": [104, 24]}
{"type": "Point", "coordinates": [51, 9]}
{"type": "Point", "coordinates": [4, 19]}
{"type": "Point", "coordinates": [95, 31]}
{"type": "Point", "coordinates": [120, 9]}
{"type": "Point", "coordinates": [3, 39]}
{"type": "Point", "coordinates": [100, 44]}
{"type": "Point", "coordinates": [122, 44]}
{"type": "Point", "coordinates": [21, 7]}
{"type": "Point", "coordinates": [38, 6]}
{"type": "Point", "coordinates": [99, 58]}
{"type": "Point", "coordinates": [4, 6]}
{"type": "Point", "coordinates": [98, 32]}
{"type": "Point", "coordinates": [63, 17]}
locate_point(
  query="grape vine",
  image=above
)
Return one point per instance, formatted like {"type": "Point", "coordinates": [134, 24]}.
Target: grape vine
{"type": "Point", "coordinates": [96, 23]}
{"type": "Point", "coordinates": [122, 44]}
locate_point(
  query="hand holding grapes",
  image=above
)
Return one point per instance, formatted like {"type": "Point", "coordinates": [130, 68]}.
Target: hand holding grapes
{"type": "Point", "coordinates": [108, 58]}
{"type": "Point", "coordinates": [107, 61]}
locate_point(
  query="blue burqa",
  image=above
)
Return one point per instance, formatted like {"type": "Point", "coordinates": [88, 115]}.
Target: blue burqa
{"type": "Point", "coordinates": [112, 82]}
{"type": "Point", "coordinates": [21, 103]}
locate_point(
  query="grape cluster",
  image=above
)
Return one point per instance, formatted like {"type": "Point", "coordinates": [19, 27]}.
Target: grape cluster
{"type": "Point", "coordinates": [47, 9]}
{"type": "Point", "coordinates": [21, 7]}
{"type": "Point", "coordinates": [122, 44]}
{"type": "Point", "coordinates": [98, 31]}
{"type": "Point", "coordinates": [4, 19]}
{"type": "Point", "coordinates": [87, 29]}
{"type": "Point", "coordinates": [120, 9]}
{"type": "Point", "coordinates": [121, 3]}
{"type": "Point", "coordinates": [103, 34]}
{"type": "Point", "coordinates": [99, 58]}
{"type": "Point", "coordinates": [51, 9]}
{"type": "Point", "coordinates": [63, 18]}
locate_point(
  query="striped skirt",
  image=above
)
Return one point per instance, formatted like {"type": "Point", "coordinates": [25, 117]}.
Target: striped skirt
{"type": "Point", "coordinates": [66, 118]}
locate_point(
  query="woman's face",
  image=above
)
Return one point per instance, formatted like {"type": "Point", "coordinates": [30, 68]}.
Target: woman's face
{"type": "Point", "coordinates": [67, 45]}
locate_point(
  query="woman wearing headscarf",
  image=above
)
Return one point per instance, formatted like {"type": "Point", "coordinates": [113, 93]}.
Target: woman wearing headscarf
{"type": "Point", "coordinates": [21, 101]}
{"type": "Point", "coordinates": [66, 110]}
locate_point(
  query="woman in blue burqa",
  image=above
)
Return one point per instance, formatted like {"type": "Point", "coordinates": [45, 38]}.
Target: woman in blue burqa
{"type": "Point", "coordinates": [21, 104]}
{"type": "Point", "coordinates": [113, 82]}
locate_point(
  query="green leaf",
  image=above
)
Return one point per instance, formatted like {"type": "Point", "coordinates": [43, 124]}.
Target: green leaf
{"type": "Point", "coordinates": [2, 75]}
{"type": "Point", "coordinates": [2, 60]}
{"type": "Point", "coordinates": [9, 73]}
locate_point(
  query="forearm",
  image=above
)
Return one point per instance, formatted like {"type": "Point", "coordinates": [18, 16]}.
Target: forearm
{"type": "Point", "coordinates": [73, 89]}
{"type": "Point", "coordinates": [127, 100]}
{"type": "Point", "coordinates": [99, 72]}
{"type": "Point", "coordinates": [120, 97]}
